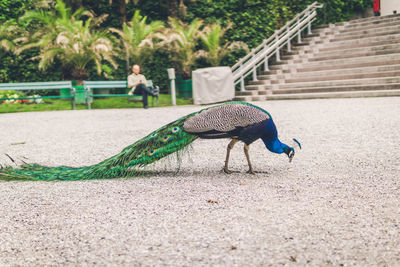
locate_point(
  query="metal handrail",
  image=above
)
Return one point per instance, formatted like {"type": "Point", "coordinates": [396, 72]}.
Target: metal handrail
{"type": "Point", "coordinates": [273, 44]}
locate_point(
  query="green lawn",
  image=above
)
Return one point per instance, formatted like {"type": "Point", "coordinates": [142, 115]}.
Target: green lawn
{"type": "Point", "coordinates": [100, 103]}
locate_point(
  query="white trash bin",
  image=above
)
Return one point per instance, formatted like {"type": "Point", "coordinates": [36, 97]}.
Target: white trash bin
{"type": "Point", "coordinates": [212, 85]}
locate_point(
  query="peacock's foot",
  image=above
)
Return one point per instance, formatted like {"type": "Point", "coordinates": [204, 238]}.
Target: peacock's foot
{"type": "Point", "coordinates": [255, 172]}
{"type": "Point", "coordinates": [227, 171]}
{"type": "Point", "coordinates": [251, 172]}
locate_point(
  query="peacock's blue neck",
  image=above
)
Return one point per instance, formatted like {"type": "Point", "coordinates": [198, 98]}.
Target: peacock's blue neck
{"type": "Point", "coordinates": [274, 145]}
{"type": "Point", "coordinates": [271, 140]}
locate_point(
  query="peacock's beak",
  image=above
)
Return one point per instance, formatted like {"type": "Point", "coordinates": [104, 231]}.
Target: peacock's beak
{"type": "Point", "coordinates": [291, 155]}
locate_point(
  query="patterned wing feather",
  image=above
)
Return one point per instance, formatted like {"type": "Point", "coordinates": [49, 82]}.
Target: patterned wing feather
{"type": "Point", "coordinates": [225, 118]}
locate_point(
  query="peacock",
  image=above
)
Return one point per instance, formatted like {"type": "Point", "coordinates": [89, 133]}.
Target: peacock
{"type": "Point", "coordinates": [238, 121]}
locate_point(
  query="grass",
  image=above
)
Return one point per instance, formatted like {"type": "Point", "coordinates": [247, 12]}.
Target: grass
{"type": "Point", "coordinates": [99, 103]}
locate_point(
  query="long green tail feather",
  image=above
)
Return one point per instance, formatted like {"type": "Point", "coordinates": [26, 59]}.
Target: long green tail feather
{"type": "Point", "coordinates": [160, 143]}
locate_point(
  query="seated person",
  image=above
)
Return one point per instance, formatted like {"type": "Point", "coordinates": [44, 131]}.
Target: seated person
{"type": "Point", "coordinates": [138, 83]}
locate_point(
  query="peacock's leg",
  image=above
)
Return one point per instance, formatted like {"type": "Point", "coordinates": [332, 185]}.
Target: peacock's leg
{"type": "Point", "coordinates": [228, 150]}
{"type": "Point", "coordinates": [246, 152]}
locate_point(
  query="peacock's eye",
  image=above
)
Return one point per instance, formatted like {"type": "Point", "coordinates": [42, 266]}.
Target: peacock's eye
{"type": "Point", "coordinates": [165, 138]}
{"type": "Point", "coordinates": [175, 129]}
{"type": "Point", "coordinates": [151, 152]}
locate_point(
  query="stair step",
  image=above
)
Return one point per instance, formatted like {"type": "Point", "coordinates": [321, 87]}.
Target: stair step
{"type": "Point", "coordinates": [370, 26]}
{"type": "Point", "coordinates": [372, 20]}
{"type": "Point", "coordinates": [338, 88]}
{"type": "Point", "coordinates": [307, 67]}
{"type": "Point", "coordinates": [246, 93]}
{"type": "Point", "coordinates": [344, 76]}
{"type": "Point", "coordinates": [336, 83]}
{"type": "Point", "coordinates": [260, 82]}
{"type": "Point", "coordinates": [344, 63]}
{"type": "Point", "coordinates": [250, 98]}
{"type": "Point", "coordinates": [366, 31]}
{"type": "Point", "coordinates": [357, 50]}
{"type": "Point", "coordinates": [379, 93]}
{"type": "Point", "coordinates": [382, 62]}
{"type": "Point", "coordinates": [340, 74]}
{"type": "Point", "coordinates": [364, 36]}
{"type": "Point", "coordinates": [366, 69]}
{"type": "Point", "coordinates": [364, 42]}
{"type": "Point", "coordinates": [366, 53]}
{"type": "Point", "coordinates": [350, 94]}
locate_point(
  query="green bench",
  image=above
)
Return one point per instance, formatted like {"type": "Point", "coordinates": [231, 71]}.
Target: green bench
{"type": "Point", "coordinates": [39, 86]}
{"type": "Point", "coordinates": [89, 85]}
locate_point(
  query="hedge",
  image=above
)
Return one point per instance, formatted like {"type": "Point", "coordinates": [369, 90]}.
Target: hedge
{"type": "Point", "coordinates": [254, 20]}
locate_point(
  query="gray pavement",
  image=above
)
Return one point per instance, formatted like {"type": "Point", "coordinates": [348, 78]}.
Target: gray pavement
{"type": "Point", "coordinates": [337, 203]}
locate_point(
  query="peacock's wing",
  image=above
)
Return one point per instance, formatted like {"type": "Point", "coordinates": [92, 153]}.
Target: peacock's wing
{"type": "Point", "coordinates": [225, 120]}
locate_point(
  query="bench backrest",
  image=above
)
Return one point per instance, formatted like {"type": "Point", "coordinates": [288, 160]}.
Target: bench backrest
{"type": "Point", "coordinates": [109, 84]}
{"type": "Point", "coordinates": [36, 85]}
{"type": "Point", "coordinates": [105, 84]}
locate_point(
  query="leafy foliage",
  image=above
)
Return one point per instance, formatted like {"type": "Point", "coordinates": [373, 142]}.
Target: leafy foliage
{"type": "Point", "coordinates": [12, 10]}
{"type": "Point", "coordinates": [252, 22]}
{"type": "Point", "coordinates": [214, 51]}
{"type": "Point", "coordinates": [19, 68]}
{"type": "Point", "coordinates": [7, 33]}
{"type": "Point", "coordinates": [255, 20]}
{"type": "Point", "coordinates": [64, 36]}
{"type": "Point", "coordinates": [182, 43]}
{"type": "Point", "coordinates": [136, 38]}
{"type": "Point", "coordinates": [155, 68]}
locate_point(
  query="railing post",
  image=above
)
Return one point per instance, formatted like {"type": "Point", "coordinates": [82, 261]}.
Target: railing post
{"type": "Point", "coordinates": [241, 84]}
{"type": "Point", "coordinates": [255, 74]}
{"type": "Point", "coordinates": [309, 24]}
{"type": "Point", "coordinates": [254, 68]}
{"type": "Point", "coordinates": [241, 79]}
{"type": "Point", "coordinates": [266, 64]}
{"type": "Point", "coordinates": [278, 56]}
{"type": "Point", "coordinates": [266, 56]}
{"type": "Point", "coordinates": [288, 41]}
{"type": "Point", "coordinates": [299, 34]}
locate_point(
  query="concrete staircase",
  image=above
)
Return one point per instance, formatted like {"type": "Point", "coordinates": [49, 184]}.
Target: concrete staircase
{"type": "Point", "coordinates": [358, 58]}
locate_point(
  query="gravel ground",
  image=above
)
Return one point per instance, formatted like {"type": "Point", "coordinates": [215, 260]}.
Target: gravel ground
{"type": "Point", "coordinates": [337, 203]}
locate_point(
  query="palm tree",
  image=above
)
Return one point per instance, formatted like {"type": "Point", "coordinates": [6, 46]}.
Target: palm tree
{"type": "Point", "coordinates": [137, 38]}
{"type": "Point", "coordinates": [8, 32]}
{"type": "Point", "coordinates": [64, 36]}
{"type": "Point", "coordinates": [211, 38]}
{"type": "Point", "coordinates": [183, 40]}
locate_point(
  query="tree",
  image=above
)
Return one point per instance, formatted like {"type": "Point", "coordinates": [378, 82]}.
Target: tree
{"type": "Point", "coordinates": [74, 4]}
{"type": "Point", "coordinates": [182, 40]}
{"type": "Point", "coordinates": [122, 9]}
{"type": "Point", "coordinates": [211, 38]}
{"type": "Point", "coordinates": [64, 36]}
{"type": "Point", "coordinates": [176, 8]}
{"type": "Point", "coordinates": [8, 32]}
{"type": "Point", "coordinates": [137, 37]}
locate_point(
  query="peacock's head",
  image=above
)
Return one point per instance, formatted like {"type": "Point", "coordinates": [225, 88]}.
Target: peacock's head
{"type": "Point", "coordinates": [289, 151]}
